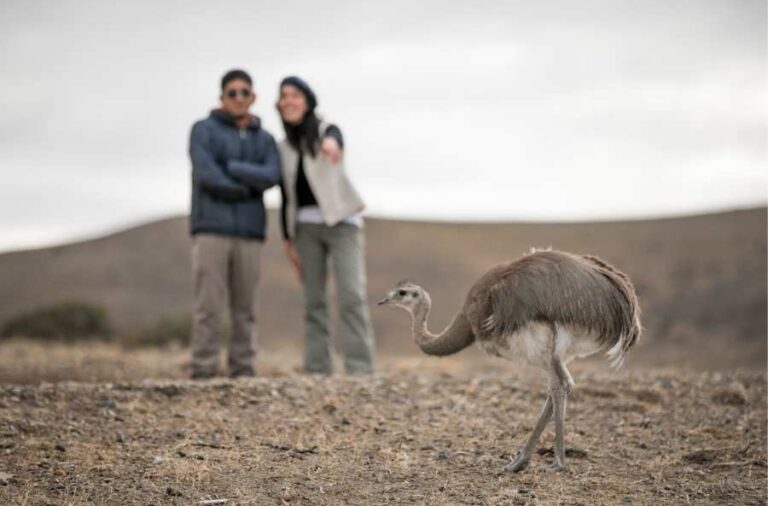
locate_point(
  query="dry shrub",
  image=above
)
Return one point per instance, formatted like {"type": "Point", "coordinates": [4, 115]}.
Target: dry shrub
{"type": "Point", "coordinates": [67, 320]}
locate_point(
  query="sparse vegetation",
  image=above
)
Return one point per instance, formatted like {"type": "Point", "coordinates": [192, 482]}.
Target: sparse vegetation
{"type": "Point", "coordinates": [68, 320]}
{"type": "Point", "coordinates": [173, 329]}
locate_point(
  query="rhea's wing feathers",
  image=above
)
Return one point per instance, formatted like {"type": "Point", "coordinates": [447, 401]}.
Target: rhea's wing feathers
{"type": "Point", "coordinates": [552, 287]}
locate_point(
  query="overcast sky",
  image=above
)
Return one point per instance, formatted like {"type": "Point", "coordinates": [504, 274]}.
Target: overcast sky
{"type": "Point", "coordinates": [452, 110]}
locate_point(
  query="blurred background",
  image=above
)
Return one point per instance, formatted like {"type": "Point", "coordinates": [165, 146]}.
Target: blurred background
{"type": "Point", "coordinates": [632, 131]}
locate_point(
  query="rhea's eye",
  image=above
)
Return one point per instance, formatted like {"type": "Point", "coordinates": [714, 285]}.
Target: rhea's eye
{"type": "Point", "coordinates": [402, 293]}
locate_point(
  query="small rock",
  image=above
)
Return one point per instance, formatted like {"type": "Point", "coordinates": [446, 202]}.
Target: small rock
{"type": "Point", "coordinates": [646, 423]}
{"type": "Point", "coordinates": [158, 460]}
{"type": "Point", "coordinates": [522, 491]}
{"type": "Point", "coordinates": [669, 383]}
{"type": "Point", "coordinates": [60, 448]}
{"type": "Point", "coordinates": [649, 396]}
{"type": "Point", "coordinates": [576, 453]}
{"type": "Point", "coordinates": [595, 392]}
{"type": "Point", "coordinates": [626, 499]}
{"type": "Point", "coordinates": [172, 492]}
{"type": "Point", "coordinates": [181, 453]}
{"type": "Point", "coordinates": [730, 397]}
{"type": "Point", "coordinates": [169, 390]}
{"type": "Point", "coordinates": [5, 478]}
{"type": "Point", "coordinates": [25, 394]}
{"type": "Point", "coordinates": [120, 438]}
{"type": "Point", "coordinates": [701, 456]}
{"type": "Point", "coordinates": [442, 456]}
{"type": "Point", "coordinates": [107, 403]}
{"type": "Point", "coordinates": [180, 434]}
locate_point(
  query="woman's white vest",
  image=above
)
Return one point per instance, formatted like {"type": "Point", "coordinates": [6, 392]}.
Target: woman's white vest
{"type": "Point", "coordinates": [335, 195]}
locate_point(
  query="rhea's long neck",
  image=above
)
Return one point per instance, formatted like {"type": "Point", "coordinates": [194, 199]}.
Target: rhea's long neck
{"type": "Point", "coordinates": [457, 336]}
{"type": "Point", "coordinates": [419, 323]}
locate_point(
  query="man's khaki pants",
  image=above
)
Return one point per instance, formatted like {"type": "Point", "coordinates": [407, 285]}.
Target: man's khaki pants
{"type": "Point", "coordinates": [226, 270]}
{"type": "Point", "coordinates": [344, 245]}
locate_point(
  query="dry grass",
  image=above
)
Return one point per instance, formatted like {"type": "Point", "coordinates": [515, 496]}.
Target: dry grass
{"type": "Point", "coordinates": [425, 431]}
{"type": "Point", "coordinates": [25, 362]}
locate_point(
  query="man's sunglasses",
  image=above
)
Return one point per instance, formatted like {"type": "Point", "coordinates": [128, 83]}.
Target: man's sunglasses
{"type": "Point", "coordinates": [244, 92]}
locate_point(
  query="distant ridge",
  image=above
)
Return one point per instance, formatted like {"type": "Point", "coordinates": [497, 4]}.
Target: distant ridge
{"type": "Point", "coordinates": [698, 278]}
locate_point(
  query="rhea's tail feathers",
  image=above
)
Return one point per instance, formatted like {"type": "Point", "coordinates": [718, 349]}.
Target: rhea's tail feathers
{"type": "Point", "coordinates": [618, 352]}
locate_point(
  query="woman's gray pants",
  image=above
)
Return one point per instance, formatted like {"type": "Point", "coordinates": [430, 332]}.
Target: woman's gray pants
{"type": "Point", "coordinates": [344, 244]}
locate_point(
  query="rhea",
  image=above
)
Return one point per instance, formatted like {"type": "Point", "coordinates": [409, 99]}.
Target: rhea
{"type": "Point", "coordinates": [547, 308]}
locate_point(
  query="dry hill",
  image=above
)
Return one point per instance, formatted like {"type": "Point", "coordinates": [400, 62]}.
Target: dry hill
{"type": "Point", "coordinates": [701, 280]}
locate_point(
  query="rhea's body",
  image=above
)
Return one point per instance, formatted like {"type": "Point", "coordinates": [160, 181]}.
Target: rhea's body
{"type": "Point", "coordinates": [587, 305]}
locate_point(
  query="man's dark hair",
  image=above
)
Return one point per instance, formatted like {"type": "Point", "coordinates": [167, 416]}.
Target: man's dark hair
{"type": "Point", "coordinates": [236, 74]}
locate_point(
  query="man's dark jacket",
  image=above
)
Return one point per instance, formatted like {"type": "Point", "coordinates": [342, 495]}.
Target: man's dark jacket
{"type": "Point", "coordinates": [231, 168]}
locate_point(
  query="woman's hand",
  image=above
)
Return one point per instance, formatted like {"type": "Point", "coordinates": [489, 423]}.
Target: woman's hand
{"type": "Point", "coordinates": [295, 259]}
{"type": "Point", "coordinates": [330, 148]}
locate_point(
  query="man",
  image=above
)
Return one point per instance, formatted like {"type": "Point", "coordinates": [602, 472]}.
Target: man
{"type": "Point", "coordinates": [233, 161]}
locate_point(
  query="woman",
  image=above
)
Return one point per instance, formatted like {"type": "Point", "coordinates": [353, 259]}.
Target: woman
{"type": "Point", "coordinates": [321, 218]}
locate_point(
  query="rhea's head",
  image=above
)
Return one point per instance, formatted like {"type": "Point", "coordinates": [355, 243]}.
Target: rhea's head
{"type": "Point", "coordinates": [407, 295]}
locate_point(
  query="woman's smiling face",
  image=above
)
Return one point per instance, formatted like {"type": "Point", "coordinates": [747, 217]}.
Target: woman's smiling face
{"type": "Point", "coordinates": [292, 104]}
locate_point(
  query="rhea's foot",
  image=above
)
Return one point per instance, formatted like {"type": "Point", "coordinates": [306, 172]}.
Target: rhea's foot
{"type": "Point", "coordinates": [557, 467]}
{"type": "Point", "coordinates": [519, 463]}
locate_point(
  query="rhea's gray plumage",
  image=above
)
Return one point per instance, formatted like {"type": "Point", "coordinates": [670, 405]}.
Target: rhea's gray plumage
{"type": "Point", "coordinates": [555, 287]}
{"type": "Point", "coordinates": [547, 307]}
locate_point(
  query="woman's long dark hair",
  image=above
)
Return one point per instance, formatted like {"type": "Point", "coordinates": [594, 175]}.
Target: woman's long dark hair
{"type": "Point", "coordinates": [305, 135]}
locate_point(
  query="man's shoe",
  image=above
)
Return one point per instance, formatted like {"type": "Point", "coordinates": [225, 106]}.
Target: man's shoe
{"type": "Point", "coordinates": [243, 373]}
{"type": "Point", "coordinates": [200, 375]}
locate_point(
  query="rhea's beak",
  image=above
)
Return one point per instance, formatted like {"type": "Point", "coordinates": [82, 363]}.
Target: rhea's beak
{"type": "Point", "coordinates": [383, 301]}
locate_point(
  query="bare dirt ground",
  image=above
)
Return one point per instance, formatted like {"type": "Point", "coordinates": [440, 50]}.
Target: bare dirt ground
{"type": "Point", "coordinates": [422, 431]}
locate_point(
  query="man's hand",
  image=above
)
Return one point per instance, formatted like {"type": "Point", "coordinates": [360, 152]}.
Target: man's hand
{"type": "Point", "coordinates": [295, 259]}
{"type": "Point", "coordinates": [330, 148]}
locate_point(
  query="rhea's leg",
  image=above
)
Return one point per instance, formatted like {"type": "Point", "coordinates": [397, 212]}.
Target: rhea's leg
{"type": "Point", "coordinates": [524, 455]}
{"type": "Point", "coordinates": [561, 386]}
